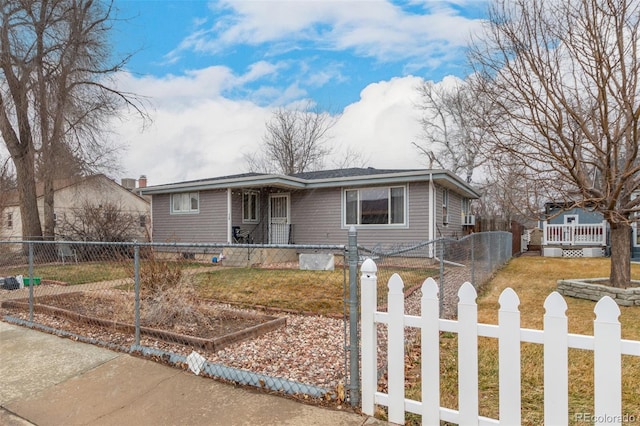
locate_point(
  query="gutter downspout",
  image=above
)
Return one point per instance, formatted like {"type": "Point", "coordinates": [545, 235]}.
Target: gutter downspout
{"type": "Point", "coordinates": [229, 222]}
{"type": "Point", "coordinates": [432, 213]}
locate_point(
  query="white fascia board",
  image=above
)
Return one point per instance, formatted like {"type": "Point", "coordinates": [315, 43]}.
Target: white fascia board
{"type": "Point", "coordinates": [250, 181]}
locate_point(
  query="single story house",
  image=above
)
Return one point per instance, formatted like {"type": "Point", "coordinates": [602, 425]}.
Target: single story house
{"type": "Point", "coordinates": [385, 206]}
{"type": "Point", "coordinates": [71, 196]}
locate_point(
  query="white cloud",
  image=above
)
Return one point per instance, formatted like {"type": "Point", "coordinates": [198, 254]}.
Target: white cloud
{"type": "Point", "coordinates": [207, 136]}
{"type": "Point", "coordinates": [383, 123]}
{"type": "Point", "coordinates": [375, 29]}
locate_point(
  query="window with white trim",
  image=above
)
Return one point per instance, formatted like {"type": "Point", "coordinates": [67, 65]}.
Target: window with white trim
{"type": "Point", "coordinates": [445, 202]}
{"type": "Point", "coordinates": [186, 202]}
{"type": "Point", "coordinates": [250, 207]}
{"type": "Point", "coordinates": [375, 206]}
{"type": "Point", "coordinates": [466, 206]}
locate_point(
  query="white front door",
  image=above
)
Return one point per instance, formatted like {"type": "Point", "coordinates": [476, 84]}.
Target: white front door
{"type": "Point", "coordinates": [279, 219]}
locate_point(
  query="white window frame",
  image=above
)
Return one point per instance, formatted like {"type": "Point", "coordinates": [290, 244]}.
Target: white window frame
{"type": "Point", "coordinates": [405, 204]}
{"type": "Point", "coordinates": [466, 206]}
{"type": "Point", "coordinates": [254, 203]}
{"type": "Point", "coordinates": [187, 210]}
{"type": "Point", "coordinates": [568, 217]}
{"type": "Point", "coordinates": [445, 206]}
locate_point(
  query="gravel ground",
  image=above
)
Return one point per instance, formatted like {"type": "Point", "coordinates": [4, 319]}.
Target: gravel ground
{"type": "Point", "coordinates": [309, 350]}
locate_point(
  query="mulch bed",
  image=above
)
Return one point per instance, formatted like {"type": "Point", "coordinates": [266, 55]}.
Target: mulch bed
{"type": "Point", "coordinates": [223, 326]}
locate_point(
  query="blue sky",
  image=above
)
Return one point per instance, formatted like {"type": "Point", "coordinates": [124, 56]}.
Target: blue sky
{"type": "Point", "coordinates": [214, 72]}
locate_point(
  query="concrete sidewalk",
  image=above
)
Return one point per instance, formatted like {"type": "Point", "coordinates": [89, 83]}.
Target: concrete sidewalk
{"type": "Point", "coordinates": [48, 380]}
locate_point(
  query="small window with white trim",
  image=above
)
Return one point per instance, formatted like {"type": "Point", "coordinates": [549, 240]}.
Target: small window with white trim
{"type": "Point", "coordinates": [186, 202]}
{"type": "Point", "coordinates": [250, 207]}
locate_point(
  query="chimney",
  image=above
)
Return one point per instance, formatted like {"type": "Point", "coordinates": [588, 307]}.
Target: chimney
{"type": "Point", "coordinates": [142, 181]}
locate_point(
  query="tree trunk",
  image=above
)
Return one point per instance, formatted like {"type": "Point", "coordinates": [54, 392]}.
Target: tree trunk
{"type": "Point", "coordinates": [31, 225]}
{"type": "Point", "coordinates": [48, 208]}
{"type": "Point", "coordinates": [620, 254]}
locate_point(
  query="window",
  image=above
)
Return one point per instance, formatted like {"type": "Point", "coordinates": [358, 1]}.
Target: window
{"type": "Point", "coordinates": [9, 220]}
{"type": "Point", "coordinates": [375, 206]}
{"type": "Point", "coordinates": [466, 209]}
{"type": "Point", "coordinates": [142, 220]}
{"type": "Point", "coordinates": [186, 202]}
{"type": "Point", "coordinates": [445, 202]}
{"type": "Point", "coordinates": [250, 207]}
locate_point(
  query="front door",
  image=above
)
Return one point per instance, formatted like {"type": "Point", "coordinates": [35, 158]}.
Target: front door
{"type": "Point", "coordinates": [279, 219]}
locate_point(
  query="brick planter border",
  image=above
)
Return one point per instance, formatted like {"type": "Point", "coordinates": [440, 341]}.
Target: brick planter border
{"type": "Point", "coordinates": [588, 288]}
{"type": "Point", "coordinates": [215, 344]}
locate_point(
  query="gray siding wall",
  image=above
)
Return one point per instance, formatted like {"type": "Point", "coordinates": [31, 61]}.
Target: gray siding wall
{"type": "Point", "coordinates": [454, 210]}
{"type": "Point", "coordinates": [317, 219]}
{"type": "Point", "coordinates": [209, 225]}
{"type": "Point", "coordinates": [583, 217]}
{"type": "Point", "coordinates": [316, 216]}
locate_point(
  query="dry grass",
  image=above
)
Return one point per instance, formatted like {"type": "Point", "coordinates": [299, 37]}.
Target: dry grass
{"type": "Point", "coordinates": [320, 292]}
{"type": "Point", "coordinates": [533, 279]}
{"type": "Point", "coordinates": [317, 292]}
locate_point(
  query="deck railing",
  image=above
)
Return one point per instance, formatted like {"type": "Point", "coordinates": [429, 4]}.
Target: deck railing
{"type": "Point", "coordinates": [575, 234]}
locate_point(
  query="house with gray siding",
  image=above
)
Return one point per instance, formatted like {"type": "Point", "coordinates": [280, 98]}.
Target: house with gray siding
{"type": "Point", "coordinates": [385, 206]}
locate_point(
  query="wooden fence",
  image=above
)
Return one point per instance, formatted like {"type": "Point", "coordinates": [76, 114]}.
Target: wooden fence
{"type": "Point", "coordinates": [606, 343]}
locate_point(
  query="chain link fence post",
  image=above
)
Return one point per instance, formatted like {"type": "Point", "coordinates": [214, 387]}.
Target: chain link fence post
{"type": "Point", "coordinates": [136, 284]}
{"type": "Point", "coordinates": [31, 281]}
{"type": "Point", "coordinates": [441, 305]}
{"type": "Point", "coordinates": [354, 352]}
{"type": "Point", "coordinates": [473, 260]}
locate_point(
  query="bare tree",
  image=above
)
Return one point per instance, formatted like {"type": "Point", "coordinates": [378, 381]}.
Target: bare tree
{"type": "Point", "coordinates": [55, 94]}
{"type": "Point", "coordinates": [295, 142]}
{"type": "Point", "coordinates": [99, 221]}
{"type": "Point", "coordinates": [565, 76]}
{"type": "Point", "coordinates": [454, 126]}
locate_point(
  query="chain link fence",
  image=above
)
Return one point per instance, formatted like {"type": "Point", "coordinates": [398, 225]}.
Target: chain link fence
{"type": "Point", "coordinates": [278, 317]}
{"type": "Point", "coordinates": [451, 262]}
{"type": "Point", "coordinates": [271, 316]}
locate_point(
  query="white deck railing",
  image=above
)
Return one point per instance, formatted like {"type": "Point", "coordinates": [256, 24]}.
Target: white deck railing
{"type": "Point", "coordinates": [606, 344]}
{"type": "Point", "coordinates": [575, 234]}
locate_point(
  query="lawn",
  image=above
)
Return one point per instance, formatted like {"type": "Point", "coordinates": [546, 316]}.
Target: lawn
{"type": "Point", "coordinates": [317, 292]}
{"type": "Point", "coordinates": [533, 279]}
{"type": "Point", "coordinates": [85, 272]}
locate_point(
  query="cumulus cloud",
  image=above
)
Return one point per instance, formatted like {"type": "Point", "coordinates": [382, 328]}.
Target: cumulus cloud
{"type": "Point", "coordinates": [207, 137]}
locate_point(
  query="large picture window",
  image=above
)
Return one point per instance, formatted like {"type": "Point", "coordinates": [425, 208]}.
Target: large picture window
{"type": "Point", "coordinates": [250, 207]}
{"type": "Point", "coordinates": [375, 206]}
{"type": "Point", "coordinates": [186, 202]}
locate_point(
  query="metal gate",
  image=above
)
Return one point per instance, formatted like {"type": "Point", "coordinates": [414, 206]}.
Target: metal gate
{"type": "Point", "coordinates": [279, 219]}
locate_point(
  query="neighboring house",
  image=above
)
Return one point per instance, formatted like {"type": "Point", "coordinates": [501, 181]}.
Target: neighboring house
{"type": "Point", "coordinates": [71, 197]}
{"type": "Point", "coordinates": [385, 206]}
{"type": "Point", "coordinates": [577, 232]}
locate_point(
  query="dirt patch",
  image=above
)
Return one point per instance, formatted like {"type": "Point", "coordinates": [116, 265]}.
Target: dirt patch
{"type": "Point", "coordinates": [217, 326]}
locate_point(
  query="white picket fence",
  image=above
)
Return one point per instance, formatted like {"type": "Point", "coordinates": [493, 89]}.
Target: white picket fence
{"type": "Point", "coordinates": [606, 343]}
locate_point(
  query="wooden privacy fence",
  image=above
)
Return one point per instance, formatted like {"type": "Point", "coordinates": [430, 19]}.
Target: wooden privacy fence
{"type": "Point", "coordinates": [606, 344]}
